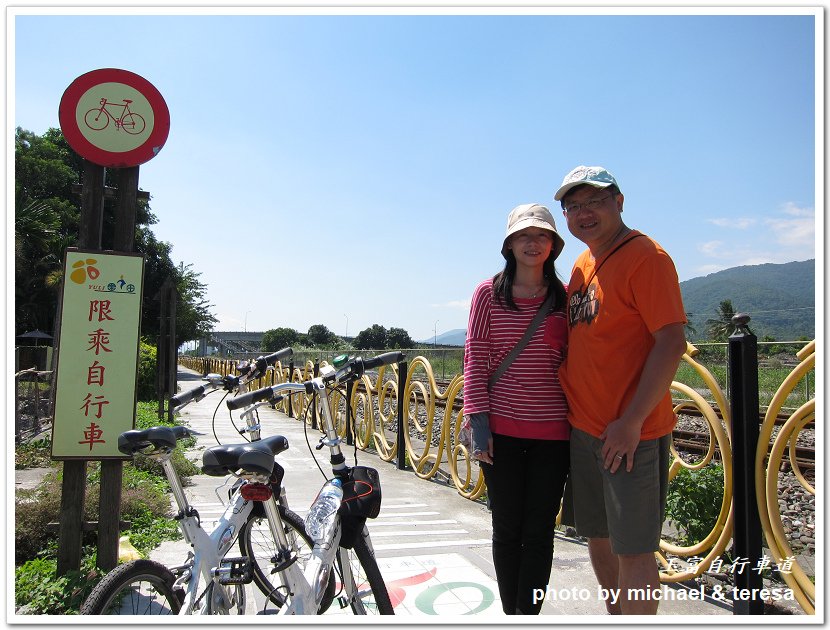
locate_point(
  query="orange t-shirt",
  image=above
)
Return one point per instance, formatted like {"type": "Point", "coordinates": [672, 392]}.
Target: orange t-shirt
{"type": "Point", "coordinates": [611, 326]}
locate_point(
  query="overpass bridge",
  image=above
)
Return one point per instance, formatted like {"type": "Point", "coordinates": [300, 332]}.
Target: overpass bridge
{"type": "Point", "coordinates": [230, 343]}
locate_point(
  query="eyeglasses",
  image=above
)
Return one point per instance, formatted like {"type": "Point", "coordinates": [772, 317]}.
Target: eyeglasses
{"type": "Point", "coordinates": [588, 205]}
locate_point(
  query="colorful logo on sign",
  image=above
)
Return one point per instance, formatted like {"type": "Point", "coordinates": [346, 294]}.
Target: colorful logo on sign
{"type": "Point", "coordinates": [83, 270]}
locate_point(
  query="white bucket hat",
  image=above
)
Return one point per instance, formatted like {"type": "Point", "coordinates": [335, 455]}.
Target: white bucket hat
{"type": "Point", "coordinates": [532, 215]}
{"type": "Point", "coordinates": [595, 176]}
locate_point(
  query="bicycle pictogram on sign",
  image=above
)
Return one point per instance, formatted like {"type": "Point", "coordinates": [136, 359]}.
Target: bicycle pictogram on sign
{"type": "Point", "coordinates": [98, 118]}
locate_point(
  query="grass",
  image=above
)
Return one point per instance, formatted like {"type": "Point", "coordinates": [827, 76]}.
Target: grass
{"type": "Point", "coordinates": [145, 503]}
{"type": "Point", "coordinates": [769, 380]}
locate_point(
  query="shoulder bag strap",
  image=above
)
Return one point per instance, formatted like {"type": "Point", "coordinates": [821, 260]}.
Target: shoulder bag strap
{"type": "Point", "coordinates": [531, 329]}
{"type": "Point", "coordinates": [613, 251]}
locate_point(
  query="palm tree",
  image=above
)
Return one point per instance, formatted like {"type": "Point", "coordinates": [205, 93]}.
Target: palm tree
{"type": "Point", "coordinates": [689, 329]}
{"type": "Point", "coordinates": [720, 328]}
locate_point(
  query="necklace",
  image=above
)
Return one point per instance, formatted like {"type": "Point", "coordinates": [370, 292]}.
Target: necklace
{"type": "Point", "coordinates": [538, 290]}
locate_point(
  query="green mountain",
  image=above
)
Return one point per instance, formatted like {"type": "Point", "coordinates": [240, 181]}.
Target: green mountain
{"type": "Point", "coordinates": [780, 299]}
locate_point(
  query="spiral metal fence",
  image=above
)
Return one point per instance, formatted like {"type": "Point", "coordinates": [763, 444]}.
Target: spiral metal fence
{"type": "Point", "coordinates": [432, 418]}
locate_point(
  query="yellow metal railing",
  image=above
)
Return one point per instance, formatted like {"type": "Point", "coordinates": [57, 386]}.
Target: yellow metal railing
{"type": "Point", "coordinates": [431, 444]}
{"type": "Point", "coordinates": [715, 543]}
{"type": "Point", "coordinates": [767, 473]}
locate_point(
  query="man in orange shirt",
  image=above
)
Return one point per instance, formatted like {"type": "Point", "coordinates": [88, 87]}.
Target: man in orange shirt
{"type": "Point", "coordinates": [626, 318]}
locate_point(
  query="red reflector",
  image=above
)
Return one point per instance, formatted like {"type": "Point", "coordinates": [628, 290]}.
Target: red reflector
{"type": "Point", "coordinates": [255, 492]}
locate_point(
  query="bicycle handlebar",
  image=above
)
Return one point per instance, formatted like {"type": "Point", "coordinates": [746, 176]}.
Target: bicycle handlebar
{"type": "Point", "coordinates": [387, 358]}
{"type": "Point", "coordinates": [214, 381]}
{"type": "Point", "coordinates": [263, 362]}
{"type": "Point", "coordinates": [183, 398]}
{"type": "Point", "coordinates": [353, 370]}
{"type": "Point", "coordinates": [249, 398]}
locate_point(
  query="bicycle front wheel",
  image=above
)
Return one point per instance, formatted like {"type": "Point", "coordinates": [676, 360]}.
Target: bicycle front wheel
{"type": "Point", "coordinates": [364, 590]}
{"type": "Point", "coordinates": [139, 587]}
{"type": "Point", "coordinates": [97, 119]}
{"type": "Point", "coordinates": [256, 542]}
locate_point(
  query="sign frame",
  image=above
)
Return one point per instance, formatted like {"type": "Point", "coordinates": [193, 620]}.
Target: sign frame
{"type": "Point", "coordinates": [86, 380]}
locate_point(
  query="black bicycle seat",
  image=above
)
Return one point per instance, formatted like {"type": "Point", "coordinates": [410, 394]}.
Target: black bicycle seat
{"type": "Point", "coordinates": [162, 438]}
{"type": "Point", "coordinates": [254, 457]}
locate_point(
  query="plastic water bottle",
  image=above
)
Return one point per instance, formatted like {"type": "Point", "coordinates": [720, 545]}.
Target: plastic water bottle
{"type": "Point", "coordinates": [323, 512]}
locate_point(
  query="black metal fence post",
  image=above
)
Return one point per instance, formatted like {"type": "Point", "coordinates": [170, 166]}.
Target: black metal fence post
{"type": "Point", "coordinates": [290, 396]}
{"type": "Point", "coordinates": [314, 397]}
{"type": "Point", "coordinates": [349, 428]}
{"type": "Point", "coordinates": [402, 409]}
{"type": "Point", "coordinates": [743, 375]}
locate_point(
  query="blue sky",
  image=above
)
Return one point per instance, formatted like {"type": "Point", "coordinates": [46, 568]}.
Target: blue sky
{"type": "Point", "coordinates": [351, 169]}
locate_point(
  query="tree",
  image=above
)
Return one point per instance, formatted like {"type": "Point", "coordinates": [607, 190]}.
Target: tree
{"type": "Point", "coordinates": [398, 338]}
{"type": "Point", "coordinates": [35, 228]}
{"type": "Point", "coordinates": [320, 336]}
{"type": "Point", "coordinates": [47, 215]}
{"type": "Point", "coordinates": [279, 338]}
{"type": "Point", "coordinates": [374, 337]}
{"type": "Point", "coordinates": [193, 317]}
{"type": "Point", "coordinates": [721, 327]}
{"type": "Point", "coordinates": [688, 328]}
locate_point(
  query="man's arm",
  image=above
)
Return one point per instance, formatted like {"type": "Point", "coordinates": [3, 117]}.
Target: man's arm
{"type": "Point", "coordinates": [622, 436]}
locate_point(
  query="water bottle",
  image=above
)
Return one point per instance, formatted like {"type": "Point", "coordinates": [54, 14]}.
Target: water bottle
{"type": "Point", "coordinates": [323, 512]}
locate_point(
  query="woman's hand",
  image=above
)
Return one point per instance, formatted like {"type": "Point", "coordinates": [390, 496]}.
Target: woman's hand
{"type": "Point", "coordinates": [482, 438]}
{"type": "Point", "coordinates": [485, 456]}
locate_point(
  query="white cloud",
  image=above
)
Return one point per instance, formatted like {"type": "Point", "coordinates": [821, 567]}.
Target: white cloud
{"type": "Point", "coordinates": [787, 236]}
{"type": "Point", "coordinates": [793, 210]}
{"type": "Point", "coordinates": [740, 223]}
{"type": "Point", "coordinates": [711, 248]}
{"type": "Point", "coordinates": [797, 232]}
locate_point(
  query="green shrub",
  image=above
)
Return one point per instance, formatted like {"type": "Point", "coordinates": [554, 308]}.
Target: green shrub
{"type": "Point", "coordinates": [694, 502]}
{"type": "Point", "coordinates": [147, 531]}
{"type": "Point", "coordinates": [38, 590]}
{"type": "Point", "coordinates": [33, 511]}
{"type": "Point", "coordinates": [35, 454]}
{"type": "Point", "coordinates": [147, 368]}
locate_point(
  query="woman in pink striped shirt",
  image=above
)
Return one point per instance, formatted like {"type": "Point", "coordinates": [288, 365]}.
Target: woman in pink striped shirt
{"type": "Point", "coordinates": [519, 424]}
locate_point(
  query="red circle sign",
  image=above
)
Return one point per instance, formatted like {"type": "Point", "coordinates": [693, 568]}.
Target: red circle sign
{"type": "Point", "coordinates": [114, 118]}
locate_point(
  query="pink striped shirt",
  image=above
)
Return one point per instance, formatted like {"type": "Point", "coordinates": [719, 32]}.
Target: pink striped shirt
{"type": "Point", "coordinates": [527, 401]}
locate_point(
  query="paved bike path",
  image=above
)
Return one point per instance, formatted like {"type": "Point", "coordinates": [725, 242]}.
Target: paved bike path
{"type": "Point", "coordinates": [432, 545]}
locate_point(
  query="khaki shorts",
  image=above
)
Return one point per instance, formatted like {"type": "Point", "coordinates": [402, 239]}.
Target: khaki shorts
{"type": "Point", "coordinates": [626, 507]}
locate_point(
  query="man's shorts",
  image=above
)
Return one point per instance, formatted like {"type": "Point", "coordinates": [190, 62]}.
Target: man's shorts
{"type": "Point", "coordinates": [626, 507]}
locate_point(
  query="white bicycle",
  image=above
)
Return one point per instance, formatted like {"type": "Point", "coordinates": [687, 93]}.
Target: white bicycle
{"type": "Point", "coordinates": [278, 555]}
{"type": "Point", "coordinates": [346, 553]}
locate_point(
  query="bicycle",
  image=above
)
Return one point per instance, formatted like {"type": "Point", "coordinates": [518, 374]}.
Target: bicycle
{"type": "Point", "coordinates": [272, 537]}
{"type": "Point", "coordinates": [347, 546]}
{"type": "Point", "coordinates": [129, 121]}
{"type": "Point", "coordinates": [207, 582]}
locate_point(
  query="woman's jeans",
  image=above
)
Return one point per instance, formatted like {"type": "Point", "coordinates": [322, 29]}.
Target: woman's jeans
{"type": "Point", "coordinates": [524, 488]}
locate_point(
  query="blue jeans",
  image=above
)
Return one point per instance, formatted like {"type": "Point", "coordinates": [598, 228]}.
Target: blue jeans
{"type": "Point", "coordinates": [524, 487]}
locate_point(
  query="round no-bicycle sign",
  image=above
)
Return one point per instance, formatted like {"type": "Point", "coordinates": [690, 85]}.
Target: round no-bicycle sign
{"type": "Point", "coordinates": [114, 118]}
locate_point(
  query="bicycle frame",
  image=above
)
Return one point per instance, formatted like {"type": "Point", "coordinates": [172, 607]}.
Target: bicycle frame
{"type": "Point", "coordinates": [208, 548]}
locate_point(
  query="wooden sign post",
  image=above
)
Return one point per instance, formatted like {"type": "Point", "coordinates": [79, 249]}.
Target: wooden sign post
{"type": "Point", "coordinates": [112, 118]}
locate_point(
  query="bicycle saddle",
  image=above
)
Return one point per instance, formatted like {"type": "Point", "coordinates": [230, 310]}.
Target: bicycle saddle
{"type": "Point", "coordinates": [254, 457]}
{"type": "Point", "coordinates": [162, 438]}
